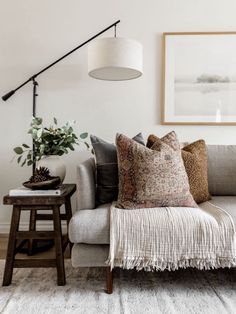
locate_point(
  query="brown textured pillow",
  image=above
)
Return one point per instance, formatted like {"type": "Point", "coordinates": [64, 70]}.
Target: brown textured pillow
{"type": "Point", "coordinates": [152, 178]}
{"type": "Point", "coordinates": [195, 161]}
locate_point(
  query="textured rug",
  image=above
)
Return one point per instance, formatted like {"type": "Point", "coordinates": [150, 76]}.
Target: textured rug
{"type": "Point", "coordinates": [185, 291]}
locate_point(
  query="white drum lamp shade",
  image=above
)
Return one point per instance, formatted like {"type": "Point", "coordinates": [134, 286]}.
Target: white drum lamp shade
{"type": "Point", "coordinates": [115, 59]}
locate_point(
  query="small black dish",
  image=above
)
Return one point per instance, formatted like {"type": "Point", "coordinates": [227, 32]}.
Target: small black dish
{"type": "Point", "coordinates": [53, 183]}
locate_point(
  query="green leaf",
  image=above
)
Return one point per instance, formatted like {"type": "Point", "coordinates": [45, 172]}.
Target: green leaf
{"type": "Point", "coordinates": [41, 148]}
{"type": "Point", "coordinates": [39, 133]}
{"type": "Point", "coordinates": [83, 135]}
{"type": "Point", "coordinates": [71, 147]}
{"type": "Point", "coordinates": [70, 129]}
{"type": "Point", "coordinates": [86, 144]}
{"type": "Point", "coordinates": [29, 162]}
{"type": "Point", "coordinates": [25, 145]}
{"type": "Point", "coordinates": [19, 159]}
{"type": "Point", "coordinates": [37, 120]}
{"type": "Point", "coordinates": [55, 120]}
{"type": "Point", "coordinates": [34, 134]}
{"type": "Point", "coordinates": [23, 163]}
{"type": "Point", "coordinates": [18, 150]}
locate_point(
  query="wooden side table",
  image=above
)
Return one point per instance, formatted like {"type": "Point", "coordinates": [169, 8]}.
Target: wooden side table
{"type": "Point", "coordinates": [18, 238]}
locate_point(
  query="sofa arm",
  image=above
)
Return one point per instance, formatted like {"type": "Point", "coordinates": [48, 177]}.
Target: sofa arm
{"type": "Point", "coordinates": [86, 184]}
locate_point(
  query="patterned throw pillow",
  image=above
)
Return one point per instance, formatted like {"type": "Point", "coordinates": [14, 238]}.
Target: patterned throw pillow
{"type": "Point", "coordinates": [195, 161]}
{"type": "Point", "coordinates": [152, 177]}
{"type": "Point", "coordinates": [107, 169]}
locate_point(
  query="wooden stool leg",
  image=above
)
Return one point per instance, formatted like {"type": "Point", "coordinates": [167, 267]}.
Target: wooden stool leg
{"type": "Point", "coordinates": [11, 246]}
{"type": "Point", "coordinates": [32, 227]}
{"type": "Point", "coordinates": [109, 280]}
{"type": "Point", "coordinates": [68, 217]}
{"type": "Point", "coordinates": [61, 279]}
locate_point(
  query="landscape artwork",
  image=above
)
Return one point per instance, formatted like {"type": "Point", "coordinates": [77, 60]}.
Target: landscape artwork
{"type": "Point", "coordinates": [199, 78]}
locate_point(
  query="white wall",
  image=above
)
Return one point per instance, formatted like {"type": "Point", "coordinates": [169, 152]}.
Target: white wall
{"type": "Point", "coordinates": [34, 33]}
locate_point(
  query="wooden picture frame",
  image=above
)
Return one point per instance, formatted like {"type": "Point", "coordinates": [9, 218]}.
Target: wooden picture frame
{"type": "Point", "coordinates": [199, 78]}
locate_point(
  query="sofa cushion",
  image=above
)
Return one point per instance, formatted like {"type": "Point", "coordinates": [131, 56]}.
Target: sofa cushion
{"type": "Point", "coordinates": [106, 167]}
{"type": "Point", "coordinates": [228, 203]}
{"type": "Point", "coordinates": [91, 226]}
{"type": "Point", "coordinates": [222, 169]}
{"type": "Point", "coordinates": [89, 255]}
{"type": "Point", "coordinates": [86, 184]}
{"type": "Point", "coordinates": [195, 161]}
{"type": "Point", "coordinates": [152, 177]}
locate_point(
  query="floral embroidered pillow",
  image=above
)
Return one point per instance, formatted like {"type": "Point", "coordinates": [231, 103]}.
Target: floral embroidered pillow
{"type": "Point", "coordinates": [152, 177]}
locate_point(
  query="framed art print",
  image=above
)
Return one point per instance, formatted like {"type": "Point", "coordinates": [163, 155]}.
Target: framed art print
{"type": "Point", "coordinates": [199, 78]}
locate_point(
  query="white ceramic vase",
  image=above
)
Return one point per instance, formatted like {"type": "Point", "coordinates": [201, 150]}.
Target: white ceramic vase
{"type": "Point", "coordinates": [55, 165]}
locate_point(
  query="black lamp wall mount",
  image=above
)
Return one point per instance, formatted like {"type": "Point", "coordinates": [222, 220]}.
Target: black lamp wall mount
{"type": "Point", "coordinates": [33, 77]}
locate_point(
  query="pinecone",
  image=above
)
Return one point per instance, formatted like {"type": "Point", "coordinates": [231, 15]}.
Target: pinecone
{"type": "Point", "coordinates": [41, 174]}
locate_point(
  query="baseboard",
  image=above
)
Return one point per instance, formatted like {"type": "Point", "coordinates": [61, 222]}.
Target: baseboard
{"type": "Point", "coordinates": [41, 225]}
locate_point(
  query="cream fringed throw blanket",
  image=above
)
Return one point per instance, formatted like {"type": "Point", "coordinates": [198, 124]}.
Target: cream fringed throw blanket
{"type": "Point", "coordinates": [171, 238]}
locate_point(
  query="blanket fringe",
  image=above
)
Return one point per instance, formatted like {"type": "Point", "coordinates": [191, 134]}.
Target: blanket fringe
{"type": "Point", "coordinates": [170, 238]}
{"type": "Point", "coordinates": [160, 265]}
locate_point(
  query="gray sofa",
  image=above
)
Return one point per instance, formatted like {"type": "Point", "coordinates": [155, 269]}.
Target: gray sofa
{"type": "Point", "coordinates": [89, 226]}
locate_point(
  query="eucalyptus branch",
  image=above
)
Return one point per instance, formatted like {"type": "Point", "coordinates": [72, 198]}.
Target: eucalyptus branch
{"type": "Point", "coordinates": [52, 140]}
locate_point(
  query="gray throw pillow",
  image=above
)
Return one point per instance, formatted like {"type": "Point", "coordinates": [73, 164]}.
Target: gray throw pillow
{"type": "Point", "coordinates": [107, 168]}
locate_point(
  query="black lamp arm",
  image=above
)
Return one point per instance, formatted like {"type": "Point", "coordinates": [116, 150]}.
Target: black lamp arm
{"type": "Point", "coordinates": [9, 94]}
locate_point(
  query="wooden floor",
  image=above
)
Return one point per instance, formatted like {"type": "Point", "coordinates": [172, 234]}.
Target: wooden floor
{"type": "Point", "coordinates": [48, 254]}
{"type": "Point", "coordinates": [3, 246]}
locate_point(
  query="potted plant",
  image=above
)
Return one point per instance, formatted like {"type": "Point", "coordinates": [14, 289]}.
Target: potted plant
{"type": "Point", "coordinates": [48, 144]}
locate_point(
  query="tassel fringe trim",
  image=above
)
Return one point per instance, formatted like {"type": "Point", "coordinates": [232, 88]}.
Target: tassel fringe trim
{"type": "Point", "coordinates": [161, 265]}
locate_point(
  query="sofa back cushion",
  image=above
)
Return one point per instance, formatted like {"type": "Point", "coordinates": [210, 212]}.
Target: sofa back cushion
{"type": "Point", "coordinates": [107, 169]}
{"type": "Point", "coordinates": [86, 184]}
{"type": "Point", "coordinates": [222, 169]}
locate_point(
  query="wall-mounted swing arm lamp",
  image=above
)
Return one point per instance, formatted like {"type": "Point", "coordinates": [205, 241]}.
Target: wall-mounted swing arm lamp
{"type": "Point", "coordinates": [113, 59]}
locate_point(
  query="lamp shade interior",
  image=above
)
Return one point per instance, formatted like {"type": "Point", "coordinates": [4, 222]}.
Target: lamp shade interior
{"type": "Point", "coordinates": [115, 59]}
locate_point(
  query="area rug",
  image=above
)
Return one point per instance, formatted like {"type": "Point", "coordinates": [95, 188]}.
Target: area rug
{"type": "Point", "coordinates": [183, 291]}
